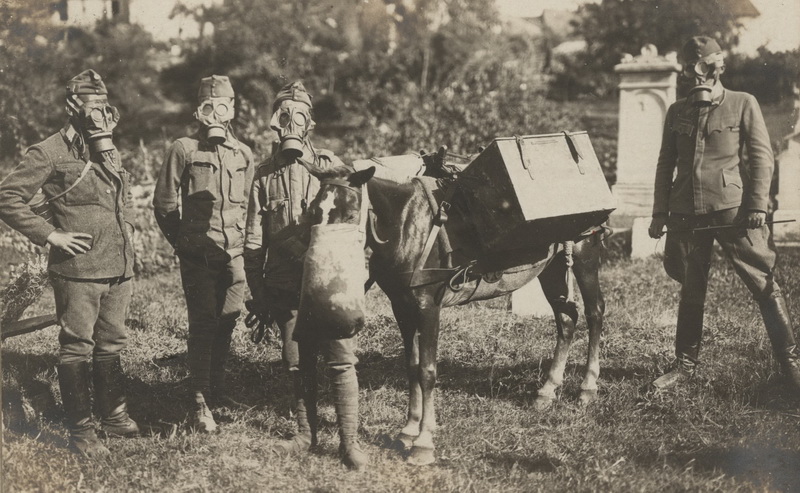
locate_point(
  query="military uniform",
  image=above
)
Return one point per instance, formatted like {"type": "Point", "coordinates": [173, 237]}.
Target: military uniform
{"type": "Point", "coordinates": [274, 245]}
{"type": "Point", "coordinates": [720, 155]}
{"type": "Point", "coordinates": [207, 232]}
{"type": "Point", "coordinates": [88, 193]}
{"type": "Point", "coordinates": [276, 241]}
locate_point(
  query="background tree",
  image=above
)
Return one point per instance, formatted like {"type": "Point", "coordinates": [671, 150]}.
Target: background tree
{"type": "Point", "coordinates": [614, 27]}
{"type": "Point", "coordinates": [37, 58]}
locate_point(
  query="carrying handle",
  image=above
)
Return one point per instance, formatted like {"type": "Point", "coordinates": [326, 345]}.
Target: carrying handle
{"type": "Point", "coordinates": [526, 161]}
{"type": "Point", "coordinates": [577, 156]}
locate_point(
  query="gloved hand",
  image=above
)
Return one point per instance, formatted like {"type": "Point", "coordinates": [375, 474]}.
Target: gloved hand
{"type": "Point", "coordinates": [750, 219]}
{"type": "Point", "coordinates": [656, 229]}
{"type": "Point", "coordinates": [258, 319]}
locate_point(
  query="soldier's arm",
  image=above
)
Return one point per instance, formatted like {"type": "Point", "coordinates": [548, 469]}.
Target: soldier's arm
{"type": "Point", "coordinates": [667, 160]}
{"type": "Point", "coordinates": [255, 248]}
{"type": "Point", "coordinates": [167, 192]}
{"type": "Point", "coordinates": [760, 161]}
{"type": "Point", "coordinates": [16, 191]}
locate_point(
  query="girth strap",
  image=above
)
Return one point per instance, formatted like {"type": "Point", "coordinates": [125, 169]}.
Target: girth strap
{"type": "Point", "coordinates": [421, 276]}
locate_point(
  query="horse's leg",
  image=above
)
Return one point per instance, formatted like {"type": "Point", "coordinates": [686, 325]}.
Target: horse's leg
{"type": "Point", "coordinates": [404, 314]}
{"type": "Point", "coordinates": [556, 288]}
{"type": "Point", "coordinates": [422, 453]}
{"type": "Point", "coordinates": [587, 269]}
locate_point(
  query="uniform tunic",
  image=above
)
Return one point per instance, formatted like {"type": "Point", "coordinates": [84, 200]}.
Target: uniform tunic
{"type": "Point", "coordinates": [721, 160]}
{"type": "Point", "coordinates": [92, 289]}
{"type": "Point", "coordinates": [200, 203]}
{"type": "Point", "coordinates": [274, 246]}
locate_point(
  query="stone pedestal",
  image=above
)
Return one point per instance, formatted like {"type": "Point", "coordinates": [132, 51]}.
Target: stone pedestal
{"type": "Point", "coordinates": [788, 192]}
{"type": "Point", "coordinates": [647, 88]}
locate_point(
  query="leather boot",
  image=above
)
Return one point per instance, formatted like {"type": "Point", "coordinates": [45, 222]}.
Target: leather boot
{"type": "Point", "coordinates": [345, 399]}
{"type": "Point", "coordinates": [218, 393]}
{"type": "Point", "coordinates": [73, 379]}
{"type": "Point", "coordinates": [305, 393]}
{"type": "Point", "coordinates": [688, 335]}
{"type": "Point", "coordinates": [112, 406]}
{"type": "Point", "coordinates": [201, 418]}
{"type": "Point", "coordinates": [781, 335]}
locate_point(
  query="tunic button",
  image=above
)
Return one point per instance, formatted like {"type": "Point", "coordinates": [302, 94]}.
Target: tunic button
{"type": "Point", "coordinates": [108, 190]}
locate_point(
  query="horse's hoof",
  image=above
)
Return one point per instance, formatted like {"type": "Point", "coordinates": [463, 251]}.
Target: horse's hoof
{"type": "Point", "coordinates": [405, 441]}
{"type": "Point", "coordinates": [587, 396]}
{"type": "Point", "coordinates": [543, 402]}
{"type": "Point", "coordinates": [421, 456]}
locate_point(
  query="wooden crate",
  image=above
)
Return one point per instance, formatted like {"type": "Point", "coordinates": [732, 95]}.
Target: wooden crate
{"type": "Point", "coordinates": [525, 192]}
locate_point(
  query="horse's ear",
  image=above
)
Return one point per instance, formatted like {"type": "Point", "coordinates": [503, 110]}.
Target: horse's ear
{"type": "Point", "coordinates": [361, 177]}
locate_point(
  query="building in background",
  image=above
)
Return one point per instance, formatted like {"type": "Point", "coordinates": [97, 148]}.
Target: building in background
{"type": "Point", "coordinates": [161, 18]}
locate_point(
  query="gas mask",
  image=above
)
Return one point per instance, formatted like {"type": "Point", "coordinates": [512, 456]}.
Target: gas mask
{"type": "Point", "coordinates": [292, 120]}
{"type": "Point", "coordinates": [214, 114]}
{"type": "Point", "coordinates": [703, 75]}
{"type": "Point", "coordinates": [95, 118]}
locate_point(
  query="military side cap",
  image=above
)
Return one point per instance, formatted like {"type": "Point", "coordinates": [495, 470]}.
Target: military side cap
{"type": "Point", "coordinates": [216, 86]}
{"type": "Point", "coordinates": [699, 47]}
{"type": "Point", "coordinates": [86, 82]}
{"type": "Point", "coordinates": [292, 92]}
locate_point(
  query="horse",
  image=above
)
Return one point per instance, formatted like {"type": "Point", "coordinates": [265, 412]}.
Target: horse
{"type": "Point", "coordinates": [400, 220]}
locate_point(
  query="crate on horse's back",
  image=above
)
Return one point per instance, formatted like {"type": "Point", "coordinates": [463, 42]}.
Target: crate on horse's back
{"type": "Point", "coordinates": [527, 192]}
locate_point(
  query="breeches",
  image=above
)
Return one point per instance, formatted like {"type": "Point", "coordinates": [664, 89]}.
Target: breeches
{"type": "Point", "coordinates": [339, 354]}
{"type": "Point", "coordinates": [214, 294]}
{"type": "Point", "coordinates": [283, 306]}
{"type": "Point", "coordinates": [687, 255]}
{"type": "Point", "coordinates": [92, 317]}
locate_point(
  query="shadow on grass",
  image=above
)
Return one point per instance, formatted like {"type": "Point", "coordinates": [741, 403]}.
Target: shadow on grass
{"type": "Point", "coordinates": [517, 383]}
{"type": "Point", "coordinates": [765, 467]}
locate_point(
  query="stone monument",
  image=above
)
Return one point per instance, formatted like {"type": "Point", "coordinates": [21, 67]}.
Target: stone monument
{"type": "Point", "coordinates": [789, 185]}
{"type": "Point", "coordinates": [647, 87]}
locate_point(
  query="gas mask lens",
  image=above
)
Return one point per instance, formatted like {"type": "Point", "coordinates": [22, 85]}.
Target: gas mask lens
{"type": "Point", "coordinates": [698, 69]}
{"type": "Point", "coordinates": [213, 111]}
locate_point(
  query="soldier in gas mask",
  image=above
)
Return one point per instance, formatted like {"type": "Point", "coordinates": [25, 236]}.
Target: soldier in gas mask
{"type": "Point", "coordinates": [209, 175]}
{"type": "Point", "coordinates": [274, 249]}
{"type": "Point", "coordinates": [705, 138]}
{"type": "Point", "coordinates": [86, 219]}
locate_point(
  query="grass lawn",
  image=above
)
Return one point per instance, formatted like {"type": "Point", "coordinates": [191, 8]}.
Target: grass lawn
{"type": "Point", "coordinates": [732, 429]}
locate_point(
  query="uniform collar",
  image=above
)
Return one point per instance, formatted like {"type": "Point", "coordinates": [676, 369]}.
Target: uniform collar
{"type": "Point", "coordinates": [717, 94]}
{"type": "Point", "coordinates": [74, 140]}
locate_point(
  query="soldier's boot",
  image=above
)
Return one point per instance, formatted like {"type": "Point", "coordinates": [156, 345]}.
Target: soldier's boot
{"type": "Point", "coordinates": [201, 418]}
{"type": "Point", "coordinates": [781, 335]}
{"type": "Point", "coordinates": [345, 398]}
{"type": "Point", "coordinates": [218, 392]}
{"type": "Point", "coordinates": [688, 335]}
{"type": "Point", "coordinates": [110, 399]}
{"type": "Point", "coordinates": [305, 394]}
{"type": "Point", "coordinates": [73, 379]}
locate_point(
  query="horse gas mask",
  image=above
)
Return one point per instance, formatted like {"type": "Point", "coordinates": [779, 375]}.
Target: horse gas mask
{"type": "Point", "coordinates": [215, 110]}
{"type": "Point", "coordinates": [703, 65]}
{"type": "Point", "coordinates": [90, 113]}
{"type": "Point", "coordinates": [291, 119]}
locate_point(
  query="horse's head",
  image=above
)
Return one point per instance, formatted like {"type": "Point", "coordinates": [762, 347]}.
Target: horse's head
{"type": "Point", "coordinates": [340, 199]}
{"type": "Point", "coordinates": [334, 271]}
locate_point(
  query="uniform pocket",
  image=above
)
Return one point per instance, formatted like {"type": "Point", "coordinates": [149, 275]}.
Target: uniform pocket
{"type": "Point", "coordinates": [728, 124]}
{"type": "Point", "coordinates": [82, 191]}
{"type": "Point", "coordinates": [731, 177]}
{"type": "Point", "coordinates": [201, 176]}
{"type": "Point", "coordinates": [275, 216]}
{"type": "Point", "coordinates": [238, 190]}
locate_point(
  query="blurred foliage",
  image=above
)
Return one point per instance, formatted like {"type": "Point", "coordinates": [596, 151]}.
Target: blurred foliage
{"type": "Point", "coordinates": [37, 58]}
{"type": "Point", "coordinates": [770, 77]}
{"type": "Point", "coordinates": [612, 28]}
